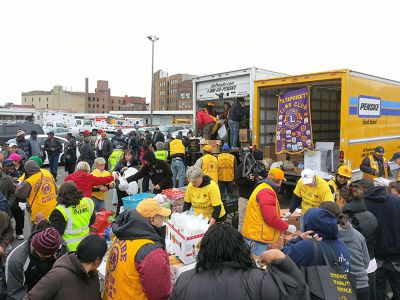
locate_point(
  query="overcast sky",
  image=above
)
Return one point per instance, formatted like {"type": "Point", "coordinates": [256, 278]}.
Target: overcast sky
{"type": "Point", "coordinates": [45, 43]}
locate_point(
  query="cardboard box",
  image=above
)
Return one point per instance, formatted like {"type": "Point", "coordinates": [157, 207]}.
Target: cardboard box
{"type": "Point", "coordinates": [269, 152]}
{"type": "Point", "coordinates": [177, 268]}
{"type": "Point", "coordinates": [244, 135]}
{"type": "Point", "coordinates": [294, 219]}
{"type": "Point", "coordinates": [185, 247]}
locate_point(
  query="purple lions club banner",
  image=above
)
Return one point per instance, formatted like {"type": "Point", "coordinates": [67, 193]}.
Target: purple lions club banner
{"type": "Point", "coordinates": [293, 129]}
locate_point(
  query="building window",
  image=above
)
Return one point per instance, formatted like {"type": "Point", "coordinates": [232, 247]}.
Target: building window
{"type": "Point", "coordinates": [112, 100]}
{"type": "Point", "coordinates": [89, 105]}
{"type": "Point", "coordinates": [47, 99]}
{"type": "Point", "coordinates": [112, 107]}
{"type": "Point", "coordinates": [98, 99]}
{"type": "Point", "coordinates": [103, 107]}
{"type": "Point", "coordinates": [97, 106]}
{"type": "Point", "coordinates": [187, 95]}
{"type": "Point", "coordinates": [47, 106]}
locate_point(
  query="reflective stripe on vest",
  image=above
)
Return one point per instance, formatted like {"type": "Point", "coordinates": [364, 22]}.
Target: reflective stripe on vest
{"type": "Point", "coordinates": [210, 166]}
{"type": "Point", "coordinates": [254, 226]}
{"type": "Point", "coordinates": [162, 154]}
{"type": "Point", "coordinates": [122, 280]}
{"type": "Point", "coordinates": [78, 219]}
{"type": "Point", "coordinates": [226, 167]}
{"type": "Point", "coordinates": [375, 165]}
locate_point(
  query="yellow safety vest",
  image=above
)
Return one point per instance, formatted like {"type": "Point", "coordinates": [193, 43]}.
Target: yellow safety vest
{"type": "Point", "coordinates": [114, 158]}
{"type": "Point", "coordinates": [333, 184]}
{"type": "Point", "coordinates": [43, 194]}
{"type": "Point", "coordinates": [254, 226]}
{"type": "Point", "coordinates": [375, 165]}
{"type": "Point", "coordinates": [162, 155]}
{"type": "Point", "coordinates": [226, 167]}
{"type": "Point", "coordinates": [78, 220]}
{"type": "Point", "coordinates": [176, 147]}
{"type": "Point", "coordinates": [210, 166]}
{"type": "Point", "coordinates": [100, 195]}
{"type": "Point", "coordinates": [122, 279]}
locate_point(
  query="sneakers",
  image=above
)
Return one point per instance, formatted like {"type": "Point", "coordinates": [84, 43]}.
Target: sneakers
{"type": "Point", "coordinates": [20, 237]}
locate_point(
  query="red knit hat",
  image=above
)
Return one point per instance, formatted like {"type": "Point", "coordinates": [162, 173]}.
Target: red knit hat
{"type": "Point", "coordinates": [46, 242]}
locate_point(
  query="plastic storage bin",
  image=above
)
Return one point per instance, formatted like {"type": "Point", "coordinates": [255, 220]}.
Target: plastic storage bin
{"type": "Point", "coordinates": [132, 201]}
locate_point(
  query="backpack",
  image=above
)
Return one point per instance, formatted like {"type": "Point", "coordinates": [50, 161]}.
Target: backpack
{"type": "Point", "coordinates": [290, 281]}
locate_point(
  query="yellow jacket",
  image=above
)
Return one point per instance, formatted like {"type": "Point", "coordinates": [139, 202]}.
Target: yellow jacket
{"type": "Point", "coordinates": [374, 165]}
{"type": "Point", "coordinates": [254, 226]}
{"type": "Point", "coordinates": [42, 198]}
{"type": "Point", "coordinates": [122, 279]}
{"type": "Point", "coordinates": [226, 167]}
{"type": "Point", "coordinates": [210, 166]}
{"type": "Point", "coordinates": [176, 147]}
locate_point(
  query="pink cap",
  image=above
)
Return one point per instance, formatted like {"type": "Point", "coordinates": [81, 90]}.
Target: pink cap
{"type": "Point", "coordinates": [15, 157]}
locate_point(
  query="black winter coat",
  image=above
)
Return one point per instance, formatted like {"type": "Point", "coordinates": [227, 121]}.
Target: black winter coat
{"type": "Point", "coordinates": [87, 154]}
{"type": "Point", "coordinates": [365, 222]}
{"type": "Point", "coordinates": [230, 282]}
{"type": "Point", "coordinates": [52, 146]}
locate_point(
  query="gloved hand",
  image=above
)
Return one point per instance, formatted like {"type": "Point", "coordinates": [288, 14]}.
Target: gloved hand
{"type": "Point", "coordinates": [291, 229]}
{"type": "Point", "coordinates": [287, 215]}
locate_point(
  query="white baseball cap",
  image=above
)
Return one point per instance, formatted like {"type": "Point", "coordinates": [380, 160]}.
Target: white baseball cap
{"type": "Point", "coordinates": [12, 144]}
{"type": "Point", "coordinates": [307, 176]}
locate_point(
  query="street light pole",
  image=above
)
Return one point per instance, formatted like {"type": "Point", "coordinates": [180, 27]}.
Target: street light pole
{"type": "Point", "coordinates": [153, 39]}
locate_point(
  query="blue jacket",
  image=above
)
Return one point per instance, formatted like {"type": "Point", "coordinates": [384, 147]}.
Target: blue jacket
{"type": "Point", "coordinates": [386, 209]}
{"type": "Point", "coordinates": [325, 225]}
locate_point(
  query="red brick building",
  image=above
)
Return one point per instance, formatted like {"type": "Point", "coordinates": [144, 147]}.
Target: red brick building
{"type": "Point", "coordinates": [101, 101]}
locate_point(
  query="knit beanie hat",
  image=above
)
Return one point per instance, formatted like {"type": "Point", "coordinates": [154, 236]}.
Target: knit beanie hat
{"type": "Point", "coordinates": [258, 155]}
{"type": "Point", "coordinates": [149, 156]}
{"type": "Point", "coordinates": [20, 132]}
{"type": "Point", "coordinates": [37, 159]}
{"type": "Point", "coordinates": [91, 248]}
{"type": "Point", "coordinates": [47, 242]}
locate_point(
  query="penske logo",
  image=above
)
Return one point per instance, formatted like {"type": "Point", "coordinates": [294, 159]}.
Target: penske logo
{"type": "Point", "coordinates": [369, 107]}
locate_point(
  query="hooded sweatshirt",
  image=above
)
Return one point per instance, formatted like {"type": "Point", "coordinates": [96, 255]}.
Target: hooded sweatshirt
{"type": "Point", "coordinates": [325, 225]}
{"type": "Point", "coordinates": [23, 191]}
{"type": "Point", "coordinates": [386, 208]}
{"type": "Point", "coordinates": [86, 181]}
{"type": "Point", "coordinates": [363, 221]}
{"type": "Point", "coordinates": [66, 280]}
{"type": "Point", "coordinates": [359, 256]}
{"type": "Point", "coordinates": [151, 261]}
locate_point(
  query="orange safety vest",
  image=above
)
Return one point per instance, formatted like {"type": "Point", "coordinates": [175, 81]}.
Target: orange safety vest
{"type": "Point", "coordinates": [210, 166]}
{"type": "Point", "coordinates": [122, 280]}
{"type": "Point", "coordinates": [226, 164]}
{"type": "Point", "coordinates": [254, 226]}
{"type": "Point", "coordinates": [375, 165]}
{"type": "Point", "coordinates": [42, 197]}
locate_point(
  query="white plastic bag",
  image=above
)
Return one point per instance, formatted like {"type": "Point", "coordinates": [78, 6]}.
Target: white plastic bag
{"type": "Point", "coordinates": [114, 200]}
{"type": "Point", "coordinates": [133, 187]}
{"type": "Point", "coordinates": [222, 131]}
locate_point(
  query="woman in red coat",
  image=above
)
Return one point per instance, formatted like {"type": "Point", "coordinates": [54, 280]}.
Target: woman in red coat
{"type": "Point", "coordinates": [86, 181]}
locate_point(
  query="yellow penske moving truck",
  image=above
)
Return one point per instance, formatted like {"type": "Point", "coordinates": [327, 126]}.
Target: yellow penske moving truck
{"type": "Point", "coordinates": [356, 111]}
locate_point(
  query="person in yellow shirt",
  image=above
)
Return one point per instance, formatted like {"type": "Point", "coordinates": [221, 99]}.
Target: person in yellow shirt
{"type": "Point", "coordinates": [311, 190]}
{"type": "Point", "coordinates": [39, 190]}
{"type": "Point", "coordinates": [204, 196]}
{"type": "Point", "coordinates": [208, 163]}
{"type": "Point", "coordinates": [100, 192]}
{"type": "Point", "coordinates": [226, 170]}
{"type": "Point", "coordinates": [340, 180]}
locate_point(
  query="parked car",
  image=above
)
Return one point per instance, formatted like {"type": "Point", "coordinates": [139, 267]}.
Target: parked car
{"type": "Point", "coordinates": [184, 132]}
{"type": "Point", "coordinates": [60, 131]}
{"type": "Point", "coordinates": [170, 128]}
{"type": "Point", "coordinates": [42, 138]}
{"type": "Point", "coordinates": [9, 130]}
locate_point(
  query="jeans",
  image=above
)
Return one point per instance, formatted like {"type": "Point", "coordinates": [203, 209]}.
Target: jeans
{"type": "Point", "coordinates": [234, 127]}
{"type": "Point", "coordinates": [98, 204]}
{"type": "Point", "coordinates": [385, 273]}
{"type": "Point", "coordinates": [372, 285]}
{"type": "Point", "coordinates": [256, 248]}
{"type": "Point", "coordinates": [225, 187]}
{"type": "Point", "coordinates": [178, 172]}
{"type": "Point", "coordinates": [53, 164]}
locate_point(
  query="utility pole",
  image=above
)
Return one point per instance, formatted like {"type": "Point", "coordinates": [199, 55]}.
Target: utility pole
{"type": "Point", "coordinates": [153, 39]}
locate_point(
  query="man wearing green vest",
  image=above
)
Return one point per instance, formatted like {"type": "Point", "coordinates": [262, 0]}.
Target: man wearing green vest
{"type": "Point", "coordinates": [73, 215]}
{"type": "Point", "coordinates": [161, 153]}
